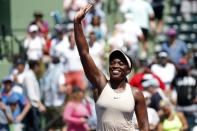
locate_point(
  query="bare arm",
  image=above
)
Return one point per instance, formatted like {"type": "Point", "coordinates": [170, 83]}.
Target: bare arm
{"type": "Point", "coordinates": [160, 127]}
{"type": "Point", "coordinates": [24, 112]}
{"type": "Point", "coordinates": [141, 110]}
{"type": "Point", "coordinates": [94, 75]}
{"type": "Point", "coordinates": [183, 121]}
{"type": "Point", "coordinates": [7, 112]}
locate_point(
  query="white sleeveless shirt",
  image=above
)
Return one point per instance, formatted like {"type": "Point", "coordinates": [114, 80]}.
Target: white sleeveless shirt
{"type": "Point", "coordinates": [115, 109]}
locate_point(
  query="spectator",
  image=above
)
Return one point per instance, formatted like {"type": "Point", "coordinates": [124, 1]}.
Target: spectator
{"type": "Point", "coordinates": [74, 73]}
{"type": "Point", "coordinates": [136, 79]}
{"type": "Point", "coordinates": [5, 116]}
{"type": "Point", "coordinates": [187, 8]}
{"type": "Point", "coordinates": [97, 10]}
{"type": "Point", "coordinates": [175, 48]}
{"type": "Point", "coordinates": [146, 20]}
{"type": "Point", "coordinates": [158, 7]}
{"type": "Point", "coordinates": [59, 44]}
{"type": "Point", "coordinates": [75, 113]}
{"type": "Point", "coordinates": [43, 26]}
{"type": "Point", "coordinates": [96, 50]}
{"type": "Point", "coordinates": [116, 40]}
{"type": "Point", "coordinates": [164, 70]}
{"type": "Point", "coordinates": [34, 44]}
{"type": "Point", "coordinates": [18, 103]}
{"type": "Point", "coordinates": [171, 119]}
{"type": "Point", "coordinates": [132, 36]}
{"type": "Point", "coordinates": [54, 94]}
{"type": "Point", "coordinates": [177, 4]}
{"type": "Point", "coordinates": [98, 27]}
{"type": "Point", "coordinates": [71, 7]}
{"type": "Point", "coordinates": [193, 62]}
{"type": "Point", "coordinates": [32, 91]}
{"type": "Point", "coordinates": [18, 73]}
{"type": "Point", "coordinates": [185, 87]}
{"type": "Point", "coordinates": [13, 103]}
{"type": "Point", "coordinates": [46, 49]}
{"type": "Point", "coordinates": [90, 105]}
{"type": "Point", "coordinates": [152, 86]}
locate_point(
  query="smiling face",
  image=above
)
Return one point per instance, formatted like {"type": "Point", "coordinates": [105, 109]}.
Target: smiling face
{"type": "Point", "coordinates": [118, 69]}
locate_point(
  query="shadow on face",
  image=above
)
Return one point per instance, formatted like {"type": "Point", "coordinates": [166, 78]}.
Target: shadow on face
{"type": "Point", "coordinates": [7, 85]}
{"type": "Point", "coordinates": [96, 20]}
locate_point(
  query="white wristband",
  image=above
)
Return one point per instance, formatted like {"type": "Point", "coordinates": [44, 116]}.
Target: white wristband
{"type": "Point", "coordinates": [92, 2]}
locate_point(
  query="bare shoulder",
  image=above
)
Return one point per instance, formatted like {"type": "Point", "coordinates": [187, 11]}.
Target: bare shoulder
{"type": "Point", "coordinates": [138, 95]}
{"type": "Point", "coordinates": [180, 114]}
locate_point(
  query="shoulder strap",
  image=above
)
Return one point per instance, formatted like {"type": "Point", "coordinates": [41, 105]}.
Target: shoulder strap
{"type": "Point", "coordinates": [132, 90]}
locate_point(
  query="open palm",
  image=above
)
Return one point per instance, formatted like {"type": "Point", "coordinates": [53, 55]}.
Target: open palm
{"type": "Point", "coordinates": [82, 12]}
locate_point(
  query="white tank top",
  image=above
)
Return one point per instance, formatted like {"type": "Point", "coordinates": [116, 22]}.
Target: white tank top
{"type": "Point", "coordinates": [115, 109]}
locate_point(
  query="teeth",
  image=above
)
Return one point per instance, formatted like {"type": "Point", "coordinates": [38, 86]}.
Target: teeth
{"type": "Point", "coordinates": [115, 71]}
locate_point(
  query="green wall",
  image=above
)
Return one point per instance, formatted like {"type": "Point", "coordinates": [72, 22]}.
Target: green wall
{"type": "Point", "coordinates": [5, 16]}
{"type": "Point", "coordinates": [22, 12]}
{"type": "Point", "coordinates": [15, 15]}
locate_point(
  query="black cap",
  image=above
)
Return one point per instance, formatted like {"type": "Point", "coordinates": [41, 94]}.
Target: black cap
{"type": "Point", "coordinates": [7, 79]}
{"type": "Point", "coordinates": [38, 14]}
{"type": "Point", "coordinates": [20, 61]}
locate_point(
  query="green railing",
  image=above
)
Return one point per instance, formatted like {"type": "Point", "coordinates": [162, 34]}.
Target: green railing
{"type": "Point", "coordinates": [9, 47]}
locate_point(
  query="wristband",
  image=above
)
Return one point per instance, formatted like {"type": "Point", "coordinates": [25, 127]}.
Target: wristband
{"type": "Point", "coordinates": [92, 2]}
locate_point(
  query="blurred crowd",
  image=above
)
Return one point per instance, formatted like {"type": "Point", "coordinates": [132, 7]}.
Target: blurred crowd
{"type": "Point", "coordinates": [46, 88]}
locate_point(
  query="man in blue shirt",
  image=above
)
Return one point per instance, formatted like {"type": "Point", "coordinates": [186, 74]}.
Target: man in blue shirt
{"type": "Point", "coordinates": [175, 48]}
{"type": "Point", "coordinates": [18, 102]}
{"type": "Point", "coordinates": [5, 116]}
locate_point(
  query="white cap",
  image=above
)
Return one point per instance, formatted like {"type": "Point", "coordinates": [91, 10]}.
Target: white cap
{"type": "Point", "coordinates": [148, 77]}
{"type": "Point", "coordinates": [119, 53]}
{"type": "Point", "coordinates": [150, 82]}
{"type": "Point", "coordinates": [163, 54]}
{"type": "Point", "coordinates": [92, 2]}
{"type": "Point", "coordinates": [33, 28]}
{"type": "Point", "coordinates": [128, 16]}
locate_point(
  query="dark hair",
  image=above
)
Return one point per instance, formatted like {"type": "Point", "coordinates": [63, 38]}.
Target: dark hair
{"type": "Point", "coordinates": [95, 16]}
{"type": "Point", "coordinates": [55, 60]}
{"type": "Point", "coordinates": [20, 61]}
{"type": "Point", "coordinates": [76, 89]}
{"type": "Point", "coordinates": [38, 14]}
{"type": "Point", "coordinates": [33, 64]}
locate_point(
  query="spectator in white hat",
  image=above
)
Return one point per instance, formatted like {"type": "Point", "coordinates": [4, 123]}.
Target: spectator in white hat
{"type": "Point", "coordinates": [34, 44]}
{"type": "Point", "coordinates": [164, 69]}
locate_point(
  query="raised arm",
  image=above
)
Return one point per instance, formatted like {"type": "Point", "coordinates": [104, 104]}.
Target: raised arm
{"type": "Point", "coordinates": [94, 75]}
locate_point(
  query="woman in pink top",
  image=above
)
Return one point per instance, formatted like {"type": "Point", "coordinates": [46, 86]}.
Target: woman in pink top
{"type": "Point", "coordinates": [75, 112]}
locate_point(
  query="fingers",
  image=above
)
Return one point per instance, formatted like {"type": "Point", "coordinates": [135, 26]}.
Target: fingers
{"type": "Point", "coordinates": [82, 12]}
{"type": "Point", "coordinates": [87, 8]}
{"type": "Point", "coordinates": [92, 2]}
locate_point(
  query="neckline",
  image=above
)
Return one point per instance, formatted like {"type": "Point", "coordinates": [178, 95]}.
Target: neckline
{"type": "Point", "coordinates": [120, 91]}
